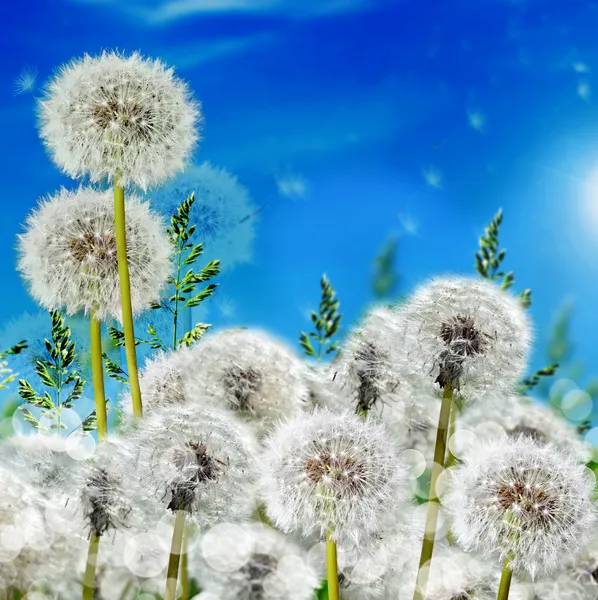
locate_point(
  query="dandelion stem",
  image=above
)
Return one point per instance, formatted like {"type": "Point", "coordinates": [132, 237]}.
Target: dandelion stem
{"type": "Point", "coordinates": [505, 582]}
{"type": "Point", "coordinates": [125, 292]}
{"type": "Point", "coordinates": [185, 588]}
{"type": "Point", "coordinates": [450, 457]}
{"type": "Point", "coordinates": [175, 555]}
{"type": "Point", "coordinates": [126, 590]}
{"type": "Point", "coordinates": [97, 371]}
{"type": "Point", "coordinates": [332, 568]}
{"type": "Point", "coordinates": [432, 515]}
{"type": "Point", "coordinates": [90, 568]}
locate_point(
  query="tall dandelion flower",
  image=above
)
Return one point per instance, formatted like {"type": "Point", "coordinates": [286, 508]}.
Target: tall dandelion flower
{"type": "Point", "coordinates": [127, 120]}
{"type": "Point", "coordinates": [68, 257]}
{"type": "Point", "coordinates": [259, 563]}
{"type": "Point", "coordinates": [251, 373]}
{"type": "Point", "coordinates": [198, 465]}
{"type": "Point", "coordinates": [523, 503]}
{"type": "Point", "coordinates": [467, 336]}
{"type": "Point", "coordinates": [334, 475]}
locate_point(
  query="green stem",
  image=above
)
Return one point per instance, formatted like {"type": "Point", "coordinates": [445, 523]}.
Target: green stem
{"type": "Point", "coordinates": [126, 590]}
{"type": "Point", "coordinates": [432, 515]}
{"type": "Point", "coordinates": [90, 568]}
{"type": "Point", "coordinates": [505, 582]}
{"type": "Point", "coordinates": [97, 371]}
{"type": "Point", "coordinates": [332, 568]}
{"type": "Point", "coordinates": [176, 294]}
{"type": "Point", "coordinates": [125, 292]}
{"type": "Point", "coordinates": [185, 587]}
{"type": "Point", "coordinates": [175, 555]}
{"type": "Point", "coordinates": [450, 457]}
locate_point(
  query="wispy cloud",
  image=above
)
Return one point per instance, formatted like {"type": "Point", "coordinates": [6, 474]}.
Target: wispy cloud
{"type": "Point", "coordinates": [164, 12]}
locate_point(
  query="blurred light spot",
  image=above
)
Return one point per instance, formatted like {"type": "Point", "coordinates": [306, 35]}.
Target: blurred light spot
{"type": "Point", "coordinates": [146, 555]}
{"type": "Point", "coordinates": [227, 547]}
{"type": "Point", "coordinates": [591, 436]}
{"type": "Point", "coordinates": [416, 462]}
{"type": "Point", "coordinates": [559, 388]}
{"type": "Point", "coordinates": [80, 446]}
{"type": "Point", "coordinates": [461, 441]}
{"type": "Point", "coordinates": [443, 482]}
{"type": "Point", "coordinates": [577, 405]}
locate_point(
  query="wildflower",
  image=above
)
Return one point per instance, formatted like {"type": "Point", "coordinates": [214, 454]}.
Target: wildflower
{"type": "Point", "coordinates": [520, 500]}
{"type": "Point", "coordinates": [337, 473]}
{"type": "Point", "coordinates": [184, 458]}
{"type": "Point", "coordinates": [467, 333]}
{"type": "Point", "coordinates": [220, 213]}
{"type": "Point", "coordinates": [250, 373]}
{"type": "Point", "coordinates": [118, 117]}
{"type": "Point", "coordinates": [68, 254]}
{"type": "Point", "coordinates": [518, 415]}
{"type": "Point", "coordinates": [262, 564]}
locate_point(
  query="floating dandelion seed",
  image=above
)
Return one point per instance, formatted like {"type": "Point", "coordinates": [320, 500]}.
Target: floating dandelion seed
{"type": "Point", "coordinates": [292, 186]}
{"type": "Point", "coordinates": [409, 224]}
{"type": "Point", "coordinates": [220, 212]}
{"type": "Point", "coordinates": [226, 306]}
{"type": "Point", "coordinates": [68, 254]}
{"type": "Point", "coordinates": [117, 117]}
{"type": "Point", "coordinates": [25, 80]}
{"type": "Point", "coordinates": [523, 501]}
{"type": "Point", "coordinates": [335, 473]}
{"type": "Point", "coordinates": [477, 120]}
{"type": "Point", "coordinates": [584, 91]}
{"type": "Point", "coordinates": [433, 177]}
{"type": "Point", "coordinates": [580, 67]}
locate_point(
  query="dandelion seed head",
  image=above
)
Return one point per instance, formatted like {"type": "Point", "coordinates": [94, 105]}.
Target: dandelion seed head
{"type": "Point", "coordinates": [251, 373]}
{"type": "Point", "coordinates": [467, 333]}
{"type": "Point", "coordinates": [336, 472]}
{"type": "Point", "coordinates": [119, 117]}
{"type": "Point", "coordinates": [68, 254]}
{"type": "Point", "coordinates": [522, 499]}
{"type": "Point", "coordinates": [187, 458]}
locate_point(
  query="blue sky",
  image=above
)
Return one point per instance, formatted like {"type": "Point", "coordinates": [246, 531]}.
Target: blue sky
{"type": "Point", "coordinates": [386, 112]}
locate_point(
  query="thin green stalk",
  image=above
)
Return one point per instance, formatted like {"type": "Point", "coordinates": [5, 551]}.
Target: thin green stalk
{"type": "Point", "coordinates": [450, 457]}
{"type": "Point", "coordinates": [175, 555]}
{"type": "Point", "coordinates": [90, 569]}
{"type": "Point", "coordinates": [97, 371]}
{"type": "Point", "coordinates": [126, 590]}
{"type": "Point", "coordinates": [432, 515]}
{"type": "Point", "coordinates": [185, 586]}
{"type": "Point", "coordinates": [125, 292]}
{"type": "Point", "coordinates": [332, 568]}
{"type": "Point", "coordinates": [505, 582]}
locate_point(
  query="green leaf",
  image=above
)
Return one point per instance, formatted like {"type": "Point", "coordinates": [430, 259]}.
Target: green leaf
{"type": "Point", "coordinates": [532, 381]}
{"type": "Point", "coordinates": [199, 298]}
{"type": "Point", "coordinates": [305, 343]}
{"type": "Point", "coordinates": [114, 370]}
{"type": "Point", "coordinates": [195, 334]}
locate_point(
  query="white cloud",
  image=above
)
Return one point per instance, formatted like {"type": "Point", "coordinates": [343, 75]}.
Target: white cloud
{"type": "Point", "coordinates": [164, 12]}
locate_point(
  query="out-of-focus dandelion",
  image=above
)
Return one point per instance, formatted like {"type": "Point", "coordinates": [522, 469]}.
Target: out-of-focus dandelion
{"type": "Point", "coordinates": [198, 465]}
{"type": "Point", "coordinates": [526, 504]}
{"type": "Point", "coordinates": [584, 90]}
{"type": "Point", "coordinates": [251, 373]}
{"type": "Point", "coordinates": [333, 475]}
{"type": "Point", "coordinates": [260, 564]}
{"type": "Point", "coordinates": [477, 120]}
{"type": "Point", "coordinates": [292, 186]}
{"type": "Point", "coordinates": [25, 80]}
{"type": "Point", "coordinates": [219, 212]}
{"type": "Point", "coordinates": [126, 120]}
{"type": "Point", "coordinates": [433, 177]}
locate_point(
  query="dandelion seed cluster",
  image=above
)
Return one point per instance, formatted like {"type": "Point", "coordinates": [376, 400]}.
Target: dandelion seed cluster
{"type": "Point", "coordinates": [68, 254]}
{"type": "Point", "coordinates": [124, 118]}
{"type": "Point", "coordinates": [522, 500]}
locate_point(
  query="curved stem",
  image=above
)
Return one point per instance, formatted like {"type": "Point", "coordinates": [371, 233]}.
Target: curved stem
{"type": "Point", "coordinates": [125, 292]}
{"type": "Point", "coordinates": [90, 568]}
{"type": "Point", "coordinates": [185, 587]}
{"type": "Point", "coordinates": [332, 568]}
{"type": "Point", "coordinates": [97, 371]}
{"type": "Point", "coordinates": [505, 582]}
{"type": "Point", "coordinates": [175, 555]}
{"type": "Point", "coordinates": [432, 515]}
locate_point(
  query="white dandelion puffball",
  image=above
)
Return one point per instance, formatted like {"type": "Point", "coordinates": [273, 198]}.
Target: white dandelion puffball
{"type": "Point", "coordinates": [272, 567]}
{"type": "Point", "coordinates": [516, 415]}
{"type": "Point", "coordinates": [187, 458]}
{"type": "Point", "coordinates": [332, 472]}
{"type": "Point", "coordinates": [117, 117]}
{"type": "Point", "coordinates": [370, 367]}
{"type": "Point", "coordinates": [251, 373]}
{"type": "Point", "coordinates": [223, 212]}
{"type": "Point", "coordinates": [522, 500]}
{"type": "Point", "coordinates": [467, 333]}
{"type": "Point", "coordinates": [162, 381]}
{"type": "Point", "coordinates": [68, 254]}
